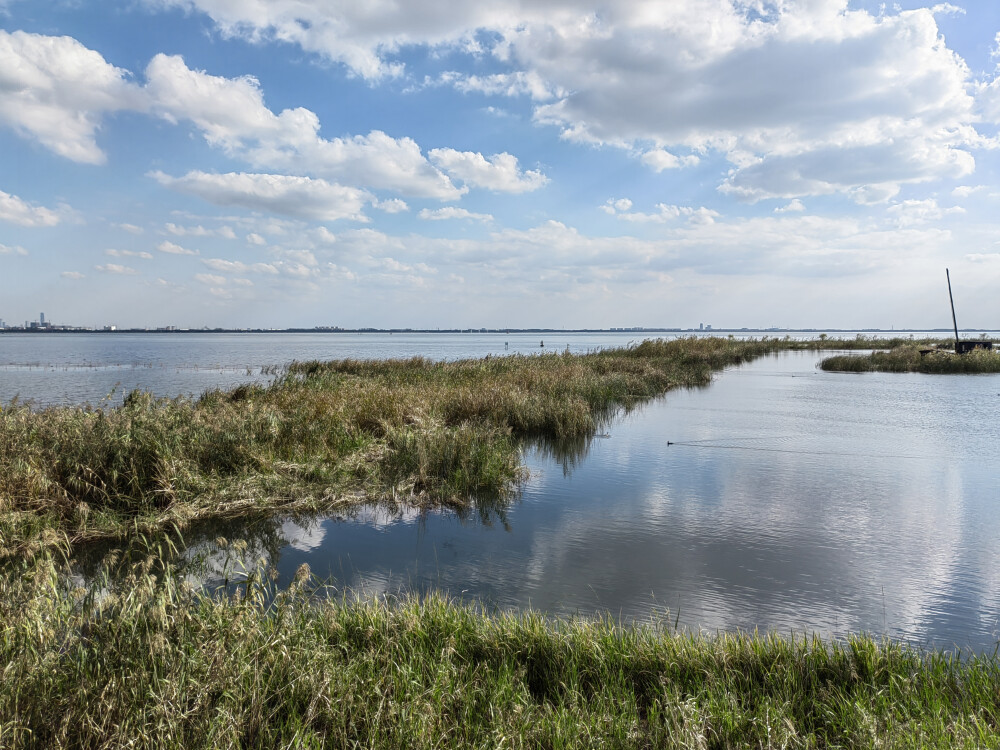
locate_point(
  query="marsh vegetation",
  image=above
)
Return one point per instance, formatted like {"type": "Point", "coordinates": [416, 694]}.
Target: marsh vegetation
{"type": "Point", "coordinates": [908, 358]}
{"type": "Point", "coordinates": [142, 659]}
{"type": "Point", "coordinates": [141, 655]}
{"type": "Point", "coordinates": [323, 435]}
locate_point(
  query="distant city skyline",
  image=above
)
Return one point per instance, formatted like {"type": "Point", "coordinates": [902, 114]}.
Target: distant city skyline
{"type": "Point", "coordinates": [47, 325]}
{"type": "Point", "coordinates": [787, 163]}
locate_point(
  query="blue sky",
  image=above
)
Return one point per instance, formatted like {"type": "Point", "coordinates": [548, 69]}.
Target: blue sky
{"type": "Point", "coordinates": [507, 164]}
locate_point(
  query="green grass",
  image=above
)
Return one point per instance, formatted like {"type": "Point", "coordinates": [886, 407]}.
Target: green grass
{"type": "Point", "coordinates": [151, 662]}
{"type": "Point", "coordinates": [142, 658]}
{"type": "Point", "coordinates": [325, 434]}
{"type": "Point", "coordinates": [907, 358]}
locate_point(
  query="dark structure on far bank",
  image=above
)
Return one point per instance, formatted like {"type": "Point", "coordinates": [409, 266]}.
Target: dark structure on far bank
{"type": "Point", "coordinates": [963, 347]}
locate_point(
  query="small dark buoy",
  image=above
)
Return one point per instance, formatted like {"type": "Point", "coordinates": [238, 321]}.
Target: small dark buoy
{"type": "Point", "coordinates": [541, 343]}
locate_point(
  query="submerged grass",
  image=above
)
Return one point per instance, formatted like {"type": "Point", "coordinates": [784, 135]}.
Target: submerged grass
{"type": "Point", "coordinates": [907, 358]}
{"type": "Point", "coordinates": [325, 434]}
{"type": "Point", "coordinates": [152, 662]}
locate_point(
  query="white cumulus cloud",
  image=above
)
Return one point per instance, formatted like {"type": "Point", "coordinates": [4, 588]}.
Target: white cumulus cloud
{"type": "Point", "coordinates": [56, 91]}
{"type": "Point", "coordinates": [793, 206]}
{"type": "Point", "coordinates": [660, 159]}
{"type": "Point", "coordinates": [232, 115]}
{"type": "Point", "coordinates": [621, 209]}
{"type": "Point", "coordinates": [359, 35]}
{"type": "Point", "coordinates": [519, 83]}
{"type": "Point", "coordinates": [804, 97]}
{"type": "Point", "coordinates": [210, 278]}
{"type": "Point", "coordinates": [8, 250]}
{"type": "Point", "coordinates": [237, 266]}
{"type": "Point", "coordinates": [391, 206]}
{"type": "Point", "coordinates": [128, 254]}
{"type": "Point", "coordinates": [289, 195]}
{"type": "Point", "coordinates": [964, 191]}
{"type": "Point", "coordinates": [499, 172]}
{"type": "Point", "coordinates": [913, 212]}
{"type": "Point", "coordinates": [452, 212]}
{"type": "Point", "coordinates": [199, 231]}
{"type": "Point", "coordinates": [17, 211]}
{"type": "Point", "coordinates": [115, 268]}
{"type": "Point", "coordinates": [171, 248]}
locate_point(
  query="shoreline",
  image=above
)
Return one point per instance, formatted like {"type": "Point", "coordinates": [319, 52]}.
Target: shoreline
{"type": "Point", "coordinates": [138, 655]}
{"type": "Point", "coordinates": [326, 433]}
{"type": "Point", "coordinates": [152, 662]}
{"type": "Point", "coordinates": [709, 332]}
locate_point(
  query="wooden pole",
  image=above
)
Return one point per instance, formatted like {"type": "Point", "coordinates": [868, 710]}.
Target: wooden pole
{"type": "Point", "coordinates": [952, 300]}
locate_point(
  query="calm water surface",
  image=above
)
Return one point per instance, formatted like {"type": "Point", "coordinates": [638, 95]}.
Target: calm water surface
{"type": "Point", "coordinates": [100, 368]}
{"type": "Point", "coordinates": [790, 500]}
{"type": "Point", "coordinates": [88, 368]}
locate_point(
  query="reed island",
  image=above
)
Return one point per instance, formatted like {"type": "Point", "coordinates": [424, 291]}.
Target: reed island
{"type": "Point", "coordinates": [326, 435]}
{"type": "Point", "coordinates": [910, 357]}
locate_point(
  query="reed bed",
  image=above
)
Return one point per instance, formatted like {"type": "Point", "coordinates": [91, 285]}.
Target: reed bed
{"type": "Point", "coordinates": [907, 358]}
{"type": "Point", "coordinates": [150, 661]}
{"type": "Point", "coordinates": [872, 342]}
{"type": "Point", "coordinates": [325, 434]}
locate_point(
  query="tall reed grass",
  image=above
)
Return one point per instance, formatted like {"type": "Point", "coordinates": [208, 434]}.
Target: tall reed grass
{"type": "Point", "coordinates": [324, 434]}
{"type": "Point", "coordinates": [907, 358]}
{"type": "Point", "coordinates": [151, 662]}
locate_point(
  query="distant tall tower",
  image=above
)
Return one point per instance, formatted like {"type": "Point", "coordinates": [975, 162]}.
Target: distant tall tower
{"type": "Point", "coordinates": [41, 318]}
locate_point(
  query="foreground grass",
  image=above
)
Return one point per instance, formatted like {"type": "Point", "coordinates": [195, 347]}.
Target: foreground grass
{"type": "Point", "coordinates": [150, 662]}
{"type": "Point", "coordinates": [325, 434]}
{"type": "Point", "coordinates": [907, 358]}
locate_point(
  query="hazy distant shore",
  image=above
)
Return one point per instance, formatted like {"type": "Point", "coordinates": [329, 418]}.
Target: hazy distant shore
{"type": "Point", "coordinates": [335, 330]}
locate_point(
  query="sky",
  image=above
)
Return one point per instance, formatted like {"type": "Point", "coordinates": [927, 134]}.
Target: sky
{"type": "Point", "coordinates": [512, 163]}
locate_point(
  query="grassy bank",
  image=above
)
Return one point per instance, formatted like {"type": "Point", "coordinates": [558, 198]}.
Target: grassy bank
{"type": "Point", "coordinates": [325, 434]}
{"type": "Point", "coordinates": [153, 663]}
{"type": "Point", "coordinates": [907, 358]}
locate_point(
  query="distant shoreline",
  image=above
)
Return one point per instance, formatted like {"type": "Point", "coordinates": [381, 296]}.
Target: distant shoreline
{"type": "Point", "coordinates": [332, 330]}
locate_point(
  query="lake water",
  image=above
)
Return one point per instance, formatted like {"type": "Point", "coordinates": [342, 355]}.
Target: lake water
{"type": "Point", "coordinates": [789, 500]}
{"type": "Point", "coordinates": [99, 368]}
{"type": "Point", "coordinates": [60, 368]}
